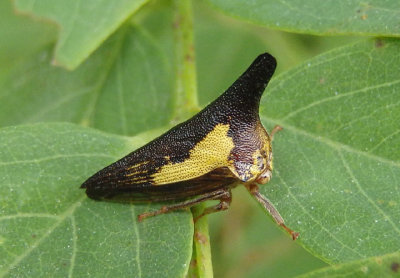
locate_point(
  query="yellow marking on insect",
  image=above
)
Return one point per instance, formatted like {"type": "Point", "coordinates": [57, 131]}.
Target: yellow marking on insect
{"type": "Point", "coordinates": [134, 169]}
{"type": "Point", "coordinates": [135, 166]}
{"type": "Point", "coordinates": [210, 153]}
{"type": "Point", "coordinates": [138, 179]}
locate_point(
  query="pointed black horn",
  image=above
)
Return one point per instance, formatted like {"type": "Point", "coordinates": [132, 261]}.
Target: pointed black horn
{"type": "Point", "coordinates": [245, 93]}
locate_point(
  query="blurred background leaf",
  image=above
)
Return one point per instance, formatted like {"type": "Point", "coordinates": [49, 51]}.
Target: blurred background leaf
{"type": "Point", "coordinates": [83, 26]}
{"type": "Point", "coordinates": [21, 36]}
{"type": "Point", "coordinates": [104, 92]}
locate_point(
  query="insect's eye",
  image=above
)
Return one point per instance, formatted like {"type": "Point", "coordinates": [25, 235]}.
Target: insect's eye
{"type": "Point", "coordinates": [260, 162]}
{"type": "Point", "coordinates": [263, 153]}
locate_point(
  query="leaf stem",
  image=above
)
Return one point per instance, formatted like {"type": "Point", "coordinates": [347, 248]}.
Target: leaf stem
{"type": "Point", "coordinates": [185, 67]}
{"type": "Point", "coordinates": [201, 262]}
{"type": "Point", "coordinates": [186, 104]}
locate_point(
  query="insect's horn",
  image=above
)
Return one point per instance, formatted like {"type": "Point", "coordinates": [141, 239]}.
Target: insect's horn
{"type": "Point", "coordinates": [253, 81]}
{"type": "Point", "coordinates": [245, 93]}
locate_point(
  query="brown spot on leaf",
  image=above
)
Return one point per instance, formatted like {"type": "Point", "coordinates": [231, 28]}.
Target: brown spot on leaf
{"type": "Point", "coordinates": [364, 17]}
{"type": "Point", "coordinates": [395, 267]}
{"type": "Point", "coordinates": [322, 81]}
{"type": "Point", "coordinates": [379, 43]}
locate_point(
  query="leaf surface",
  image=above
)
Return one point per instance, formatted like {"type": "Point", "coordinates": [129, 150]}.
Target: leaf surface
{"type": "Point", "coordinates": [49, 227]}
{"type": "Point", "coordinates": [377, 18]}
{"type": "Point", "coordinates": [337, 161]}
{"type": "Point", "coordinates": [245, 244]}
{"type": "Point", "coordinates": [120, 89]}
{"type": "Point", "coordinates": [383, 266]}
{"type": "Point", "coordinates": [20, 37]}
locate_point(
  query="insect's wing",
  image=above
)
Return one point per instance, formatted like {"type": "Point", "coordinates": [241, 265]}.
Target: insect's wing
{"type": "Point", "coordinates": [188, 163]}
{"type": "Point", "coordinates": [137, 192]}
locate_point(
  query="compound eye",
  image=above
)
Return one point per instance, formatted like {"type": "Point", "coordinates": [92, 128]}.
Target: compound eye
{"type": "Point", "coordinates": [260, 162]}
{"type": "Point", "coordinates": [263, 153]}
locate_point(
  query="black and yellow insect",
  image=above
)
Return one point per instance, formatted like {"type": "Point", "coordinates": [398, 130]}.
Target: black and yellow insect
{"type": "Point", "coordinates": [203, 158]}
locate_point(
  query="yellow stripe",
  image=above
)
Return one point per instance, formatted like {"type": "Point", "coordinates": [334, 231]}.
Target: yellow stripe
{"type": "Point", "coordinates": [210, 153]}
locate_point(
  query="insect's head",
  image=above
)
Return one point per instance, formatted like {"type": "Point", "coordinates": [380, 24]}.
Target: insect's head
{"type": "Point", "coordinates": [262, 158]}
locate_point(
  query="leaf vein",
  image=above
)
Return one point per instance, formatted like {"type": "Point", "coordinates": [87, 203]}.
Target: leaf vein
{"type": "Point", "coordinates": [350, 93]}
{"type": "Point", "coordinates": [363, 193]}
{"type": "Point", "coordinates": [313, 219]}
{"type": "Point", "coordinates": [384, 140]}
{"type": "Point", "coordinates": [137, 235]}
{"type": "Point", "coordinates": [28, 215]}
{"type": "Point", "coordinates": [47, 158]}
{"type": "Point", "coordinates": [333, 144]}
{"type": "Point", "coordinates": [74, 247]}
{"type": "Point", "coordinates": [60, 219]}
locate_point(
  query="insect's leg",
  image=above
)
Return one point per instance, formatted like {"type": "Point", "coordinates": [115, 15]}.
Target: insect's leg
{"type": "Point", "coordinates": [253, 189]}
{"type": "Point", "coordinates": [275, 130]}
{"type": "Point", "coordinates": [225, 199]}
{"type": "Point", "coordinates": [220, 194]}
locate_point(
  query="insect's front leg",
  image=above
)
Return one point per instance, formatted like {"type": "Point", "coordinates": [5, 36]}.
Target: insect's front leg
{"type": "Point", "coordinates": [223, 195]}
{"type": "Point", "coordinates": [275, 130]}
{"type": "Point", "coordinates": [253, 189]}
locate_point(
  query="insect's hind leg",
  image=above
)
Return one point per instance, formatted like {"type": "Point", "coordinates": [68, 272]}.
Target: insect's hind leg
{"type": "Point", "coordinates": [225, 200]}
{"type": "Point", "coordinates": [224, 195]}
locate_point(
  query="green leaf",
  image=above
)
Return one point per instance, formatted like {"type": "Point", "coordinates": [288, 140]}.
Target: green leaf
{"type": "Point", "coordinates": [83, 25]}
{"type": "Point", "coordinates": [121, 89]}
{"type": "Point", "coordinates": [378, 18]}
{"type": "Point", "coordinates": [225, 46]}
{"type": "Point", "coordinates": [384, 266]}
{"type": "Point", "coordinates": [49, 227]}
{"type": "Point", "coordinates": [337, 161]}
{"type": "Point", "coordinates": [20, 37]}
{"type": "Point", "coordinates": [245, 244]}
